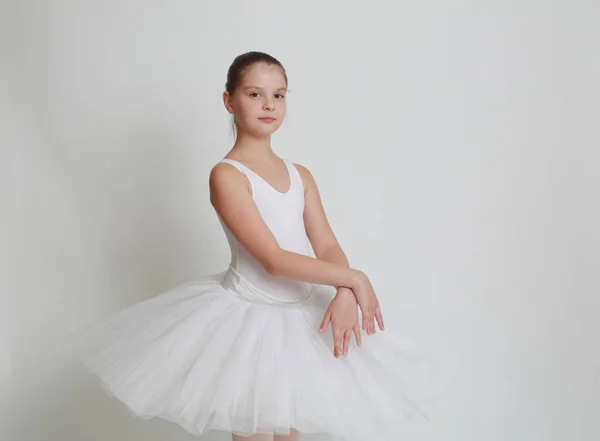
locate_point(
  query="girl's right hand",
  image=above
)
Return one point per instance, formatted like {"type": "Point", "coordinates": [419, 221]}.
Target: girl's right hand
{"type": "Point", "coordinates": [368, 303]}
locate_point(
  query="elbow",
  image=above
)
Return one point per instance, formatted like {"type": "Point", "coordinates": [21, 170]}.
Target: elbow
{"type": "Point", "coordinates": [272, 262]}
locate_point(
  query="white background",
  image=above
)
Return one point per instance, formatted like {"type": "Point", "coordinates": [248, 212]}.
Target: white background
{"type": "Point", "coordinates": [455, 149]}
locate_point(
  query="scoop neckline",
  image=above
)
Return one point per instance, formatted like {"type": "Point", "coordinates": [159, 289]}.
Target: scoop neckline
{"type": "Point", "coordinates": [287, 166]}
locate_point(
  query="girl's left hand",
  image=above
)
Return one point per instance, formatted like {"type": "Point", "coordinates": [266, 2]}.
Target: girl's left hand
{"type": "Point", "coordinates": [342, 313]}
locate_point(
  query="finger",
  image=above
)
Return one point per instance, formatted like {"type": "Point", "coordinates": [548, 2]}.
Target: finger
{"type": "Point", "coordinates": [379, 318]}
{"type": "Point", "coordinates": [337, 342]}
{"type": "Point", "coordinates": [357, 335]}
{"type": "Point", "coordinates": [365, 320]}
{"type": "Point", "coordinates": [368, 322]}
{"type": "Point", "coordinates": [326, 321]}
{"type": "Point", "coordinates": [362, 314]}
{"type": "Point", "coordinates": [372, 322]}
{"type": "Point", "coordinates": [347, 338]}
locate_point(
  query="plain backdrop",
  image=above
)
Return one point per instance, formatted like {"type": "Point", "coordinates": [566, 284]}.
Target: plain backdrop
{"type": "Point", "coordinates": [453, 142]}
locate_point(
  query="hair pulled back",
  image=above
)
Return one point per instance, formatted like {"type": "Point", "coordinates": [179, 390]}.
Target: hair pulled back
{"type": "Point", "coordinates": [242, 62]}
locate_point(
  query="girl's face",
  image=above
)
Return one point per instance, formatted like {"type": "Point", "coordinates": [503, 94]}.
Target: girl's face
{"type": "Point", "coordinates": [259, 101]}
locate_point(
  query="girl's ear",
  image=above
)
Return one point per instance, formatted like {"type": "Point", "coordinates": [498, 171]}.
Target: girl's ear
{"type": "Point", "coordinates": [227, 102]}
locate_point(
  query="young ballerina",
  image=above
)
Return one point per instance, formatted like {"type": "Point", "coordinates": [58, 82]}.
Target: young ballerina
{"type": "Point", "coordinates": [249, 350]}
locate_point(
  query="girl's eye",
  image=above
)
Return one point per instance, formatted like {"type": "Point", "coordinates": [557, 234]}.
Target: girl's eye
{"type": "Point", "coordinates": [254, 94]}
{"type": "Point", "coordinates": [279, 95]}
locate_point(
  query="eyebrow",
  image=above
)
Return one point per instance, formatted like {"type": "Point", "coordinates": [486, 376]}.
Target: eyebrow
{"type": "Point", "coordinates": [260, 88]}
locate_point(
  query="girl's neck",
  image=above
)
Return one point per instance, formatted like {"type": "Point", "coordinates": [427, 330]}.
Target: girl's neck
{"type": "Point", "coordinates": [251, 148]}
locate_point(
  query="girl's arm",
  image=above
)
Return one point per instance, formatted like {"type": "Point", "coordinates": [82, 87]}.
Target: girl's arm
{"type": "Point", "coordinates": [230, 195]}
{"type": "Point", "coordinates": [318, 229]}
{"type": "Point", "coordinates": [327, 248]}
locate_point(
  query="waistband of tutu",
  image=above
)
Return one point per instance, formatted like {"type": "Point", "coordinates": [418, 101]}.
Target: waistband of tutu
{"type": "Point", "coordinates": [234, 281]}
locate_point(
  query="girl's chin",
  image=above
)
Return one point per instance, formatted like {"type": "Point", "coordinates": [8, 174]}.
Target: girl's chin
{"type": "Point", "coordinates": [262, 131]}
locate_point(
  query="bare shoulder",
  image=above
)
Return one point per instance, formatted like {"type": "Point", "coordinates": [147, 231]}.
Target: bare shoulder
{"type": "Point", "coordinates": [224, 177]}
{"type": "Point", "coordinates": [221, 171]}
{"type": "Point", "coordinates": [307, 177]}
{"type": "Point", "coordinates": [302, 169]}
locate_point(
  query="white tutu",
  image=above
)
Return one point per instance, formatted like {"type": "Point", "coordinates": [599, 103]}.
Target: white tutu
{"type": "Point", "coordinates": [207, 359]}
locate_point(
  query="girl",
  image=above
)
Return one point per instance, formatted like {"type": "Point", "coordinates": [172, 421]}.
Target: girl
{"type": "Point", "coordinates": [246, 351]}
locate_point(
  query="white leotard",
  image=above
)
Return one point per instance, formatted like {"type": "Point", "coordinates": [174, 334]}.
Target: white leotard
{"type": "Point", "coordinates": [283, 215]}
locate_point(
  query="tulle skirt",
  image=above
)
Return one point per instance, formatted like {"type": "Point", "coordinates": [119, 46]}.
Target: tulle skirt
{"type": "Point", "coordinates": [205, 358]}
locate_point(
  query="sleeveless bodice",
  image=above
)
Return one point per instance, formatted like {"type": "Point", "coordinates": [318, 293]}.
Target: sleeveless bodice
{"type": "Point", "coordinates": [283, 214]}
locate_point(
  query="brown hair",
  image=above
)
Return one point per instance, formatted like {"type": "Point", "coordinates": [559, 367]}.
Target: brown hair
{"type": "Point", "coordinates": [240, 64]}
